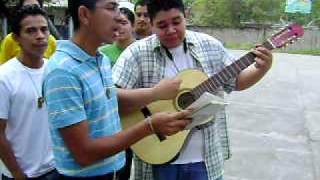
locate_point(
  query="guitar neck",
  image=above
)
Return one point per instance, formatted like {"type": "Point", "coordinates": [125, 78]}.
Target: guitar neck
{"type": "Point", "coordinates": [231, 71]}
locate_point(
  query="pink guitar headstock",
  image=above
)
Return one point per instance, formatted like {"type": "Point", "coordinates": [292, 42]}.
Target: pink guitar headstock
{"type": "Point", "coordinates": [287, 35]}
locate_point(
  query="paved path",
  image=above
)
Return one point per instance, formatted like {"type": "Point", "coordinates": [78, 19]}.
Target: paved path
{"type": "Point", "coordinates": [275, 125]}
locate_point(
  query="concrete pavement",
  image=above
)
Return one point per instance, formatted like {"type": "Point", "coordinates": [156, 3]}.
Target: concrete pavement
{"type": "Point", "coordinates": [275, 125]}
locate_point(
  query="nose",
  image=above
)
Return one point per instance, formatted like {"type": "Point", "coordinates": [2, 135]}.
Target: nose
{"type": "Point", "coordinates": [41, 34]}
{"type": "Point", "coordinates": [171, 29]}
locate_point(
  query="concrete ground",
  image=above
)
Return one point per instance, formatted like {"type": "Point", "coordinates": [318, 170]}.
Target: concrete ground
{"type": "Point", "coordinates": [275, 125]}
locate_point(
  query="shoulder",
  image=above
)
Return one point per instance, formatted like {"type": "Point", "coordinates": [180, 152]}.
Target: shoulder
{"type": "Point", "coordinates": [9, 40]}
{"type": "Point", "coordinates": [52, 38]}
{"type": "Point", "coordinates": [106, 48]}
{"type": "Point", "coordinates": [9, 69]}
{"type": "Point", "coordinates": [60, 62]}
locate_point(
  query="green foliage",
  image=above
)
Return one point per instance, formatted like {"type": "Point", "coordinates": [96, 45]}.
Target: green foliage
{"type": "Point", "coordinates": [230, 13]}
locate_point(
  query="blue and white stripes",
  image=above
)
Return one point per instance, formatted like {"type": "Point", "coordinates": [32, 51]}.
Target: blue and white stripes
{"type": "Point", "coordinates": [79, 87]}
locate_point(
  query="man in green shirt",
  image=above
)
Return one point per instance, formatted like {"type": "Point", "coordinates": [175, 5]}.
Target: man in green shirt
{"type": "Point", "coordinates": [125, 36]}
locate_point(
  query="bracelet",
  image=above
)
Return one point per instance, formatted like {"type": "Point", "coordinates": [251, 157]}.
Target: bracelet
{"type": "Point", "coordinates": [148, 119]}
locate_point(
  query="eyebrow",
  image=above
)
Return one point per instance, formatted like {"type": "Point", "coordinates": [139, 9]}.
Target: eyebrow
{"type": "Point", "coordinates": [173, 19]}
{"type": "Point", "coordinates": [113, 3]}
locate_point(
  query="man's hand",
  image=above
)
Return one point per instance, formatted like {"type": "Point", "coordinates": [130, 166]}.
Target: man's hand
{"type": "Point", "coordinates": [170, 123]}
{"type": "Point", "coordinates": [166, 89]}
{"type": "Point", "coordinates": [263, 59]}
{"type": "Point", "coordinates": [19, 176]}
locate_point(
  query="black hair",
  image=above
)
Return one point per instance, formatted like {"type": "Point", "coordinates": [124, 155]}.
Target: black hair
{"type": "Point", "coordinates": [140, 3]}
{"type": "Point", "coordinates": [73, 7]}
{"type": "Point", "coordinates": [20, 4]}
{"type": "Point", "coordinates": [129, 14]}
{"type": "Point", "coordinates": [23, 12]}
{"type": "Point", "coordinates": [155, 6]}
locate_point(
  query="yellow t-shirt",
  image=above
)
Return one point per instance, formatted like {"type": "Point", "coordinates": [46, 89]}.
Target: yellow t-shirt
{"type": "Point", "coordinates": [10, 48]}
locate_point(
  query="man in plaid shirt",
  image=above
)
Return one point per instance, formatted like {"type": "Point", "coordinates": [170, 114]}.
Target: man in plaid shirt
{"type": "Point", "coordinates": [163, 55]}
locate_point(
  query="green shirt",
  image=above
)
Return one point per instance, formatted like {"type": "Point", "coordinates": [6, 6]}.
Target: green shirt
{"type": "Point", "coordinates": [112, 51]}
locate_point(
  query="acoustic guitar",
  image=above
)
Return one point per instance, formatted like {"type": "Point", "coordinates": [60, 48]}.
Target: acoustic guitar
{"type": "Point", "coordinates": [155, 149]}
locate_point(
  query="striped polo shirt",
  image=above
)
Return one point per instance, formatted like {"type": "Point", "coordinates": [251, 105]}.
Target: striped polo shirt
{"type": "Point", "coordinates": [79, 87]}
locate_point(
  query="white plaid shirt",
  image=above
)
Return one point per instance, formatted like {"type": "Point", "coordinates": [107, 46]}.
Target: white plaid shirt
{"type": "Point", "coordinates": [143, 64]}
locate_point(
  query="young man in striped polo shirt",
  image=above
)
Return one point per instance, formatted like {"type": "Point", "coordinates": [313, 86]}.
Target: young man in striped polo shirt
{"type": "Point", "coordinates": [83, 102]}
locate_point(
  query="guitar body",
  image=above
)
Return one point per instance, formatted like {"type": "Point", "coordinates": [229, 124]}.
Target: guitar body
{"type": "Point", "coordinates": [150, 149]}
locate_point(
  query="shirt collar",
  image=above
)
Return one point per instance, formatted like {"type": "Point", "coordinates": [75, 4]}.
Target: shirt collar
{"type": "Point", "coordinates": [189, 42]}
{"type": "Point", "coordinates": [75, 51]}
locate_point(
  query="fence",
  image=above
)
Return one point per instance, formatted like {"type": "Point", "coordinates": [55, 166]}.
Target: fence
{"type": "Point", "coordinates": [252, 36]}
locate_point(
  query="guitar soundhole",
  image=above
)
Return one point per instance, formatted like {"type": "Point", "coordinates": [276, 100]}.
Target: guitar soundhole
{"type": "Point", "coordinates": [185, 99]}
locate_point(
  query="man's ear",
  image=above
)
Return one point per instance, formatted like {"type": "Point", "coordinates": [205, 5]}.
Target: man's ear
{"type": "Point", "coordinates": [15, 37]}
{"type": "Point", "coordinates": [84, 15]}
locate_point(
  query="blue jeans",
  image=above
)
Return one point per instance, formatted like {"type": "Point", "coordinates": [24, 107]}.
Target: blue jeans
{"type": "Point", "coordinates": [191, 171]}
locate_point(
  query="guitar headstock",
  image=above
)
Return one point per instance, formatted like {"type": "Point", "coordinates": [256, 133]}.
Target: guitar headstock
{"type": "Point", "coordinates": [286, 36]}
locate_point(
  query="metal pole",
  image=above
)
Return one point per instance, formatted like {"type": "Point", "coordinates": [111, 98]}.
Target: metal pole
{"type": "Point", "coordinates": [70, 25]}
{"type": "Point", "coordinates": [5, 26]}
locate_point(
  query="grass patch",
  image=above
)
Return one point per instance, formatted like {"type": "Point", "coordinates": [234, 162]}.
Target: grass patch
{"type": "Point", "coordinates": [243, 46]}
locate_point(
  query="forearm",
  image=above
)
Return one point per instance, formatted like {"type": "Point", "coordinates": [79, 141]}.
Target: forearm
{"type": "Point", "coordinates": [8, 158]}
{"type": "Point", "coordinates": [131, 99]}
{"type": "Point", "coordinates": [249, 76]}
{"type": "Point", "coordinates": [87, 151]}
{"type": "Point", "coordinates": [108, 146]}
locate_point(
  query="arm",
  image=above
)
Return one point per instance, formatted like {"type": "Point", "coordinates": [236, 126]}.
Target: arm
{"type": "Point", "coordinates": [86, 151]}
{"type": "Point", "coordinates": [7, 155]}
{"type": "Point", "coordinates": [255, 72]}
{"type": "Point", "coordinates": [137, 98]}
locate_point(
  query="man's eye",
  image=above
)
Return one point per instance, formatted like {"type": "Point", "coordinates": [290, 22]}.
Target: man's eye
{"type": "Point", "coordinates": [162, 26]}
{"type": "Point", "coordinates": [44, 29]}
{"type": "Point", "coordinates": [176, 22]}
{"type": "Point", "coordinates": [31, 30]}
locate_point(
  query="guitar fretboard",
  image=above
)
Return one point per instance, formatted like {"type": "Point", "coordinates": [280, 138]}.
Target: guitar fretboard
{"type": "Point", "coordinates": [214, 82]}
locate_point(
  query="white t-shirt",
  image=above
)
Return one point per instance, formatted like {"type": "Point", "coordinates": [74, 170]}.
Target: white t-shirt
{"type": "Point", "coordinates": [192, 150]}
{"type": "Point", "coordinates": [27, 125]}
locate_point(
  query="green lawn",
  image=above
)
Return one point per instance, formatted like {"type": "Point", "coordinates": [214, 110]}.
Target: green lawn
{"type": "Point", "coordinates": [249, 46]}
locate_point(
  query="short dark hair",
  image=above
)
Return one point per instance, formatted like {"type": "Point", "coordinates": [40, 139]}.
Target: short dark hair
{"type": "Point", "coordinates": [73, 7]}
{"type": "Point", "coordinates": [20, 4]}
{"type": "Point", "coordinates": [23, 12]}
{"type": "Point", "coordinates": [155, 6]}
{"type": "Point", "coordinates": [128, 13]}
{"type": "Point", "coordinates": [140, 3]}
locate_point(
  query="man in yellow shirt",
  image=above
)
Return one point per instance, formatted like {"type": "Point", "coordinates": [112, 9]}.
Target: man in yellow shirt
{"type": "Point", "coordinates": [10, 48]}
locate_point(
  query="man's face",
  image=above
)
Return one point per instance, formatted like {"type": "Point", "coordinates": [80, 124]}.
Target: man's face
{"type": "Point", "coordinates": [103, 21]}
{"type": "Point", "coordinates": [126, 29]}
{"type": "Point", "coordinates": [142, 23]}
{"type": "Point", "coordinates": [170, 27]}
{"type": "Point", "coordinates": [33, 37]}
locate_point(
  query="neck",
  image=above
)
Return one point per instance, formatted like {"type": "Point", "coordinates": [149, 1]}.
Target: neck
{"type": "Point", "coordinates": [31, 61]}
{"type": "Point", "coordinates": [86, 43]}
{"type": "Point", "coordinates": [124, 43]}
{"type": "Point", "coordinates": [143, 34]}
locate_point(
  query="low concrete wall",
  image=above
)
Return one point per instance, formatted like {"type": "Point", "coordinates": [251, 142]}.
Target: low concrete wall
{"type": "Point", "coordinates": [252, 36]}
